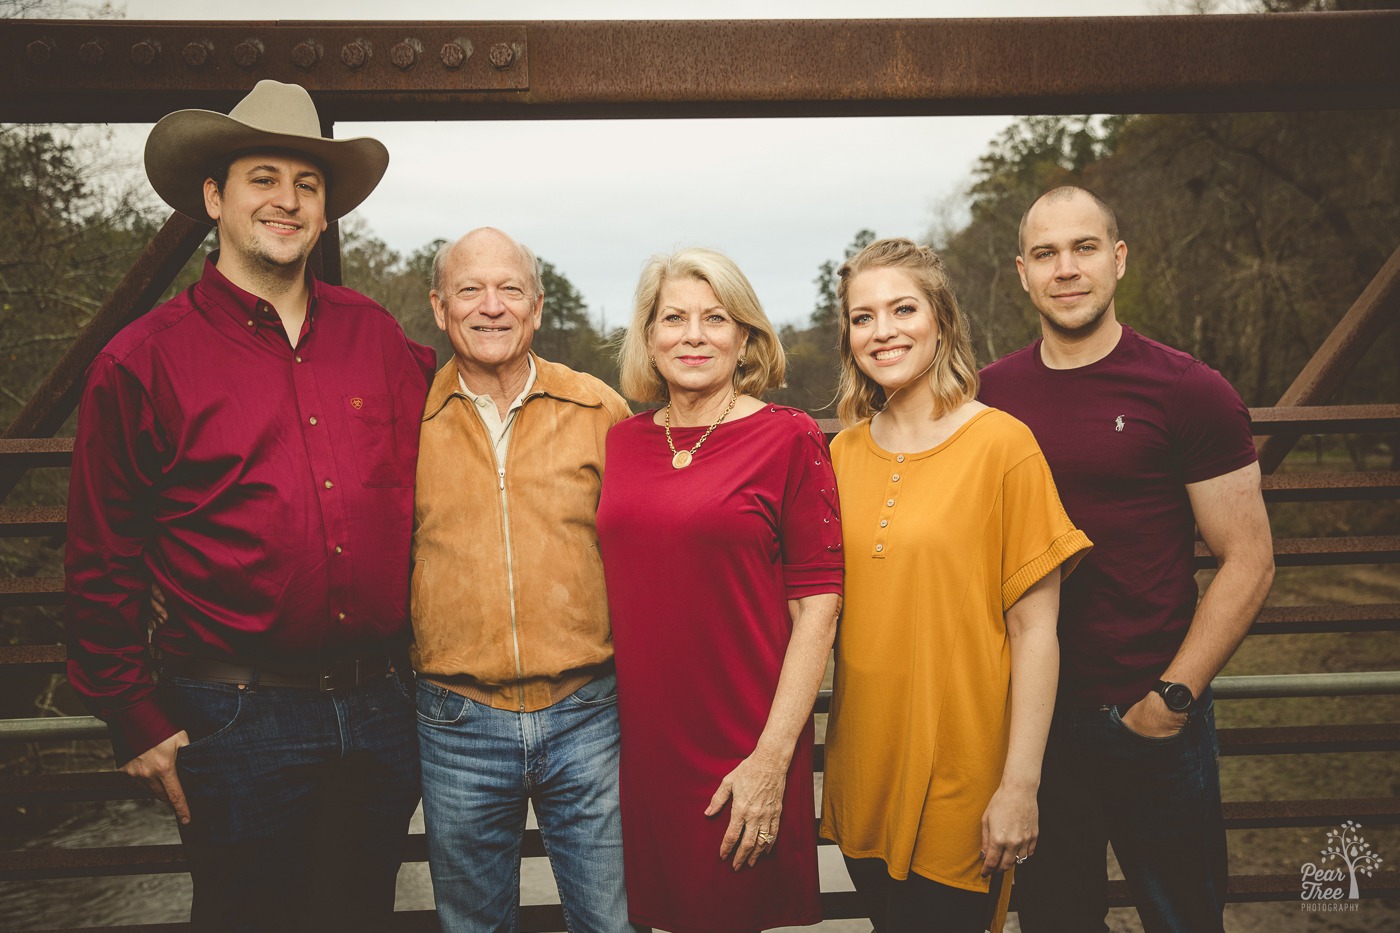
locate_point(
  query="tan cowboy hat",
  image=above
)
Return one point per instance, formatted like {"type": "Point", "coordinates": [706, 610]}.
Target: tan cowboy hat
{"type": "Point", "coordinates": [186, 146]}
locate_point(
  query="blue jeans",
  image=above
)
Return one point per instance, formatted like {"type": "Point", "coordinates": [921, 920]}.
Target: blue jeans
{"type": "Point", "coordinates": [299, 802]}
{"type": "Point", "coordinates": [1156, 799]}
{"type": "Point", "coordinates": [480, 767]}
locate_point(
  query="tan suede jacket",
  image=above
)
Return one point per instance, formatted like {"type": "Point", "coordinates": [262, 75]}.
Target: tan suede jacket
{"type": "Point", "coordinates": [508, 601]}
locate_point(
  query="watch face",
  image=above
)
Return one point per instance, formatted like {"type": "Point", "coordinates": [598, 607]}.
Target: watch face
{"type": "Point", "coordinates": [1178, 697]}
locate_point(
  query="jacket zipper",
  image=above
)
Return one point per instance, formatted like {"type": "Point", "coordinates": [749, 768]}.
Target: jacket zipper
{"type": "Point", "coordinates": [510, 584]}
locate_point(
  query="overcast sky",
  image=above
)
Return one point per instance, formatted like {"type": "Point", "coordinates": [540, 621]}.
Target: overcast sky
{"type": "Point", "coordinates": [596, 198]}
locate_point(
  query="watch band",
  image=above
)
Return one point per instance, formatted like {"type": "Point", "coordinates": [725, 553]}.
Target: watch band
{"type": "Point", "coordinates": [1173, 694]}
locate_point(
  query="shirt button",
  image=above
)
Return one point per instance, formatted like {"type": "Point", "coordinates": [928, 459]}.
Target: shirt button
{"type": "Point", "coordinates": [900, 458]}
{"type": "Point", "coordinates": [889, 502]}
{"type": "Point", "coordinates": [340, 616]}
{"type": "Point", "coordinates": [879, 547]}
{"type": "Point", "coordinates": [329, 484]}
{"type": "Point", "coordinates": [895, 478]}
{"type": "Point", "coordinates": [298, 359]}
{"type": "Point", "coordinates": [250, 323]}
{"type": "Point", "coordinates": [884, 522]}
{"type": "Point", "coordinates": [312, 419]}
{"type": "Point", "coordinates": [339, 549]}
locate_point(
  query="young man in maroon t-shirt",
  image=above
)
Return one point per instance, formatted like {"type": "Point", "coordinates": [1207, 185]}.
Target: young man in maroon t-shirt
{"type": "Point", "coordinates": [1146, 444]}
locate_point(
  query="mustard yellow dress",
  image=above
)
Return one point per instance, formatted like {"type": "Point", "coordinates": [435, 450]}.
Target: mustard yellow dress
{"type": "Point", "coordinates": [939, 544]}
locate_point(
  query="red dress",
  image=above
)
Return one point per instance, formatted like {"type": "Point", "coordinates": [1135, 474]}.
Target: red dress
{"type": "Point", "coordinates": [700, 563]}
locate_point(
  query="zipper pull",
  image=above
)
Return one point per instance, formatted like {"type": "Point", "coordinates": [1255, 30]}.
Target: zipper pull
{"type": "Point", "coordinates": [501, 471]}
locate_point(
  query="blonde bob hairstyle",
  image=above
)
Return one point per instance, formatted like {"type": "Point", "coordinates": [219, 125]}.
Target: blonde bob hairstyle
{"type": "Point", "coordinates": [953, 376]}
{"type": "Point", "coordinates": [763, 363]}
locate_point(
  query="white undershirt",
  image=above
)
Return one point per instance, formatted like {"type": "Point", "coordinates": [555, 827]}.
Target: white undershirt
{"type": "Point", "coordinates": [496, 426]}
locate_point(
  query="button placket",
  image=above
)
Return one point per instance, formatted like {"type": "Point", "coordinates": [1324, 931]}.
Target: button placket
{"type": "Point", "coordinates": [882, 541]}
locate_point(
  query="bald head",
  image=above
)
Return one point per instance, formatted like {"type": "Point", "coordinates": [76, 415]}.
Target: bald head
{"type": "Point", "coordinates": [486, 239]}
{"type": "Point", "coordinates": [1067, 193]}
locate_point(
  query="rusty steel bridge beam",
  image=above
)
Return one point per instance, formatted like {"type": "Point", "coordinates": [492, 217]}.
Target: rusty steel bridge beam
{"type": "Point", "coordinates": [119, 71]}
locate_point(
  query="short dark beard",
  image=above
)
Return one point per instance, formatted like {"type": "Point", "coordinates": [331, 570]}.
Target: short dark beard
{"type": "Point", "coordinates": [1087, 329]}
{"type": "Point", "coordinates": [270, 275]}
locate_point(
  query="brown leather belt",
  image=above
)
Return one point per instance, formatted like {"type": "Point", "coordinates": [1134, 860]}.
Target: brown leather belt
{"type": "Point", "coordinates": [336, 676]}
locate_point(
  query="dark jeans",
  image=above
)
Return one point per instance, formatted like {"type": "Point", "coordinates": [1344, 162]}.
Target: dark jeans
{"type": "Point", "coordinates": [916, 904]}
{"type": "Point", "coordinates": [1156, 800]}
{"type": "Point", "coordinates": [299, 802]}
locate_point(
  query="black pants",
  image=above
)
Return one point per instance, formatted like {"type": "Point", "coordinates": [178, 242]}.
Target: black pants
{"type": "Point", "coordinates": [916, 904]}
{"type": "Point", "coordinates": [1156, 799]}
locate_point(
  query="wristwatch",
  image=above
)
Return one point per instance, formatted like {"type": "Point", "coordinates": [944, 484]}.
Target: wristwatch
{"type": "Point", "coordinates": [1178, 697]}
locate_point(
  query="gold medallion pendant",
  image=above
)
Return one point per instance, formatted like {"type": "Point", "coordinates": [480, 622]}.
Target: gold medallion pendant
{"type": "Point", "coordinates": [680, 459]}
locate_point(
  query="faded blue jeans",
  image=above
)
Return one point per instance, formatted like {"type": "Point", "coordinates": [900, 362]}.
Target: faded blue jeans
{"type": "Point", "coordinates": [1156, 799]}
{"type": "Point", "coordinates": [480, 767]}
{"type": "Point", "coordinates": [299, 802]}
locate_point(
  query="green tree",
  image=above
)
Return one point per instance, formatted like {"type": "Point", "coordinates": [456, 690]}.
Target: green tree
{"type": "Point", "coordinates": [370, 266]}
{"type": "Point", "coordinates": [401, 284]}
{"type": "Point", "coordinates": [811, 352]}
{"type": "Point", "coordinates": [567, 334]}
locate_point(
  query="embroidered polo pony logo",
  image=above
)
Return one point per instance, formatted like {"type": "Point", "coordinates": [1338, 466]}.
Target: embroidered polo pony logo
{"type": "Point", "coordinates": [1117, 422]}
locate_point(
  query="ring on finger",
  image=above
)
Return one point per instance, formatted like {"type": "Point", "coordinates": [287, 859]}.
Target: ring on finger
{"type": "Point", "coordinates": [1021, 858]}
{"type": "Point", "coordinates": [765, 838]}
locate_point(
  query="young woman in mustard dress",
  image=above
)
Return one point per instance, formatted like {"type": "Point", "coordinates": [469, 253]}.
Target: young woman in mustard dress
{"type": "Point", "coordinates": [946, 658]}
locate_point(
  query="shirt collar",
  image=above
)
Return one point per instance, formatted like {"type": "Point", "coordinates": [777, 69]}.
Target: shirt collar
{"type": "Point", "coordinates": [519, 399]}
{"type": "Point", "coordinates": [250, 311]}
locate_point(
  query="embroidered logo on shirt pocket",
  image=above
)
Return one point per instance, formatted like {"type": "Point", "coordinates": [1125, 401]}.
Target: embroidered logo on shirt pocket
{"type": "Point", "coordinates": [379, 451]}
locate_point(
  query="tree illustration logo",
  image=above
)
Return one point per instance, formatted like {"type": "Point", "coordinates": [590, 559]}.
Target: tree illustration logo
{"type": "Point", "coordinates": [1345, 847]}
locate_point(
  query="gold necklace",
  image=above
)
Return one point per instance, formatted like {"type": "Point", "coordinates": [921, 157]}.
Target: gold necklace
{"type": "Point", "coordinates": [680, 459]}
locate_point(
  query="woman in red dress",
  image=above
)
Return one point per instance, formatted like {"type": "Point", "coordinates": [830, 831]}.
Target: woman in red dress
{"type": "Point", "coordinates": [720, 532]}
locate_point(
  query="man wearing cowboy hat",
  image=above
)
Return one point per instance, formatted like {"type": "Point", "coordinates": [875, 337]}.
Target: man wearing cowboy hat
{"type": "Point", "coordinates": [248, 447]}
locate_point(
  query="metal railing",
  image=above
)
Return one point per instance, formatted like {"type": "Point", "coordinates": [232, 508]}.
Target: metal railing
{"type": "Point", "coordinates": [92, 71]}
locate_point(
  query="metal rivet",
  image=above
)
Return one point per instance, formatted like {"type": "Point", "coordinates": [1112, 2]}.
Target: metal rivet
{"type": "Point", "coordinates": [455, 54]}
{"type": "Point", "coordinates": [355, 55]}
{"type": "Point", "coordinates": [145, 53]}
{"type": "Point", "coordinates": [91, 53]}
{"type": "Point", "coordinates": [39, 52]}
{"type": "Point", "coordinates": [405, 54]}
{"type": "Point", "coordinates": [501, 56]}
{"type": "Point", "coordinates": [247, 53]}
{"type": "Point", "coordinates": [196, 54]}
{"type": "Point", "coordinates": [306, 55]}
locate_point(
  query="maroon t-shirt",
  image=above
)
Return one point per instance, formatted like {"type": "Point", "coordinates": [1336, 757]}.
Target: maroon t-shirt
{"type": "Point", "coordinates": [1124, 436]}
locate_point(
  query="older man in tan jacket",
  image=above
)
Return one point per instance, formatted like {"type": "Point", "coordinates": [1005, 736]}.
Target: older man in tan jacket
{"type": "Point", "coordinates": [516, 693]}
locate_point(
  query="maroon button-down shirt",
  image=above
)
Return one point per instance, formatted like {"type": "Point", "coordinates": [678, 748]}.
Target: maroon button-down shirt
{"type": "Point", "coordinates": [267, 490]}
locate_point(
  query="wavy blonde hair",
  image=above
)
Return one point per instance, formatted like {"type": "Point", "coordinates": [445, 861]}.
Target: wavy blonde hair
{"type": "Point", "coordinates": [764, 364]}
{"type": "Point", "coordinates": [952, 377]}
